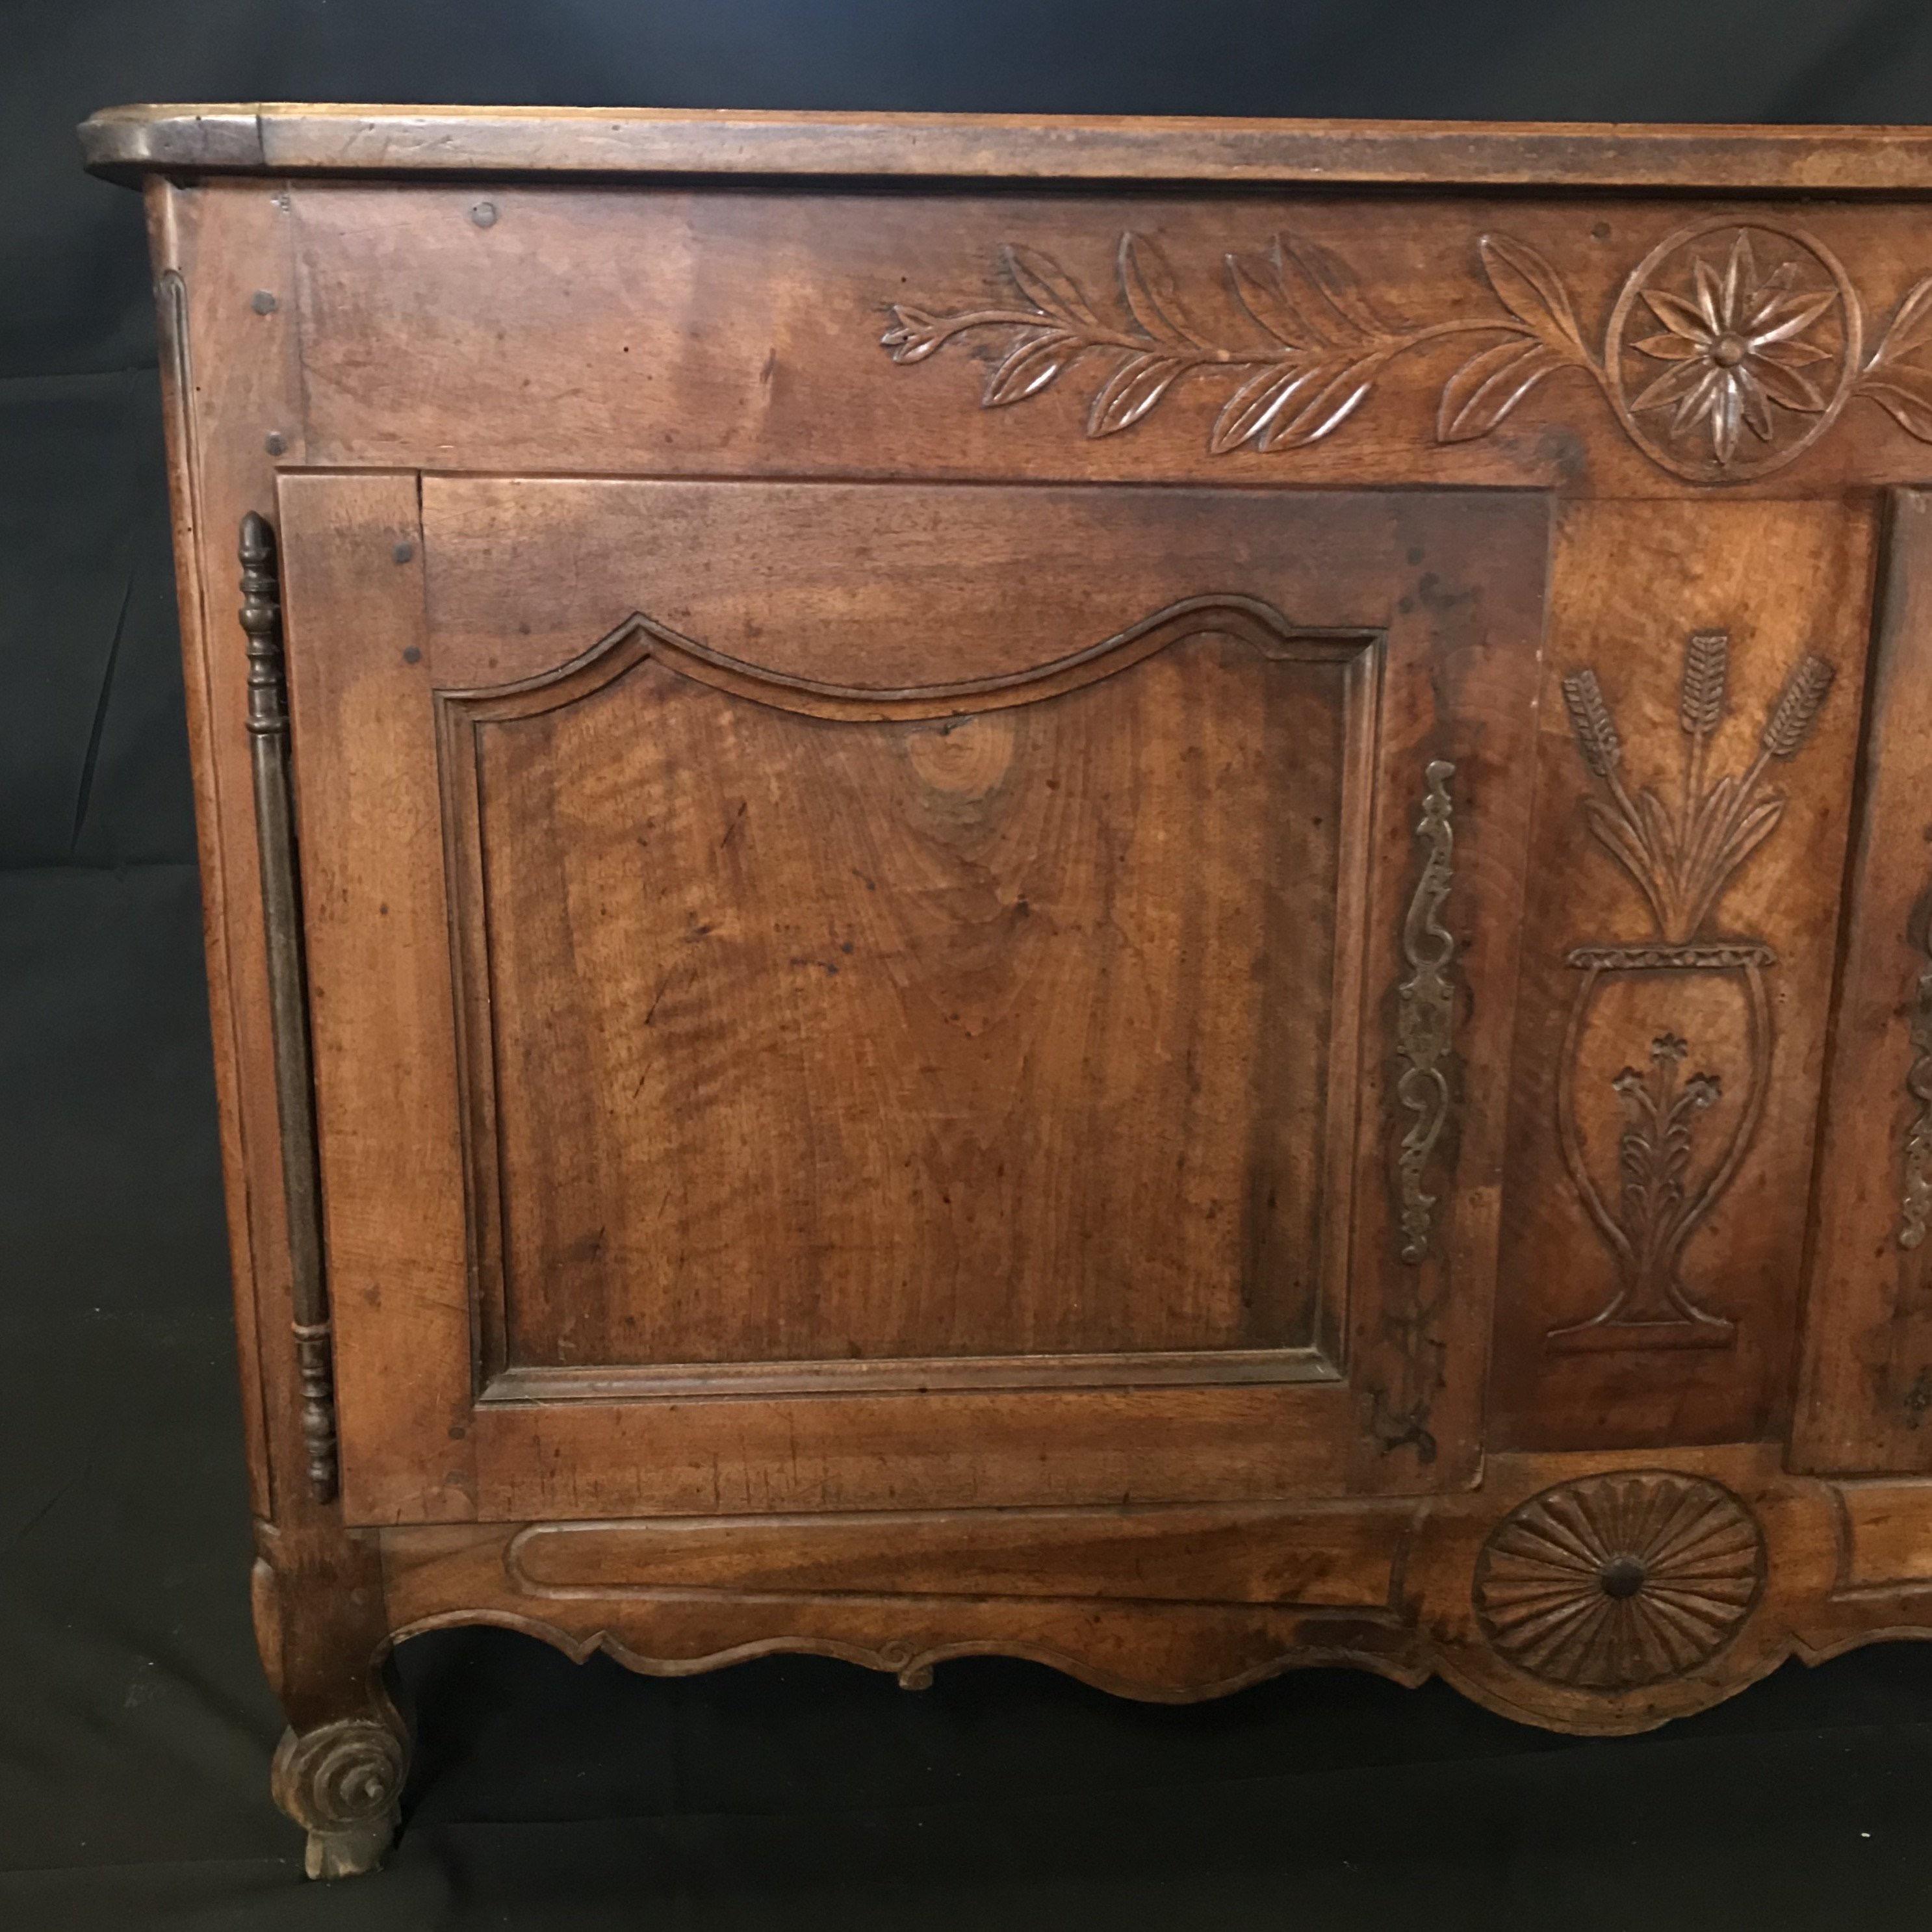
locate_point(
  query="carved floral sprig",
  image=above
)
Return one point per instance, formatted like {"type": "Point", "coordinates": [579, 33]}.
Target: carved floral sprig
{"type": "Point", "coordinates": [1736, 345]}
{"type": "Point", "coordinates": [1653, 1155]}
{"type": "Point", "coordinates": [1682, 860]}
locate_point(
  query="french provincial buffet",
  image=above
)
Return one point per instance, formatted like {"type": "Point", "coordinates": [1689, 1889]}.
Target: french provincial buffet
{"type": "Point", "coordinates": [1154, 894]}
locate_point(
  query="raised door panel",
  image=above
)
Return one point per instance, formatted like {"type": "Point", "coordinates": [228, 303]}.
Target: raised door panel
{"type": "Point", "coordinates": [913, 1046]}
{"type": "Point", "coordinates": [938, 996]}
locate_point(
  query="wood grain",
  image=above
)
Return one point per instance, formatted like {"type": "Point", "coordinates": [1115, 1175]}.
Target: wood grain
{"type": "Point", "coordinates": [232, 378]}
{"type": "Point", "coordinates": [121, 143]}
{"type": "Point", "coordinates": [800, 977]}
{"type": "Point", "coordinates": [1329, 1557]}
{"type": "Point", "coordinates": [695, 333]}
{"type": "Point", "coordinates": [1001, 960]}
{"type": "Point", "coordinates": [1867, 1380]}
{"type": "Point", "coordinates": [1633, 582]}
{"type": "Point", "coordinates": [384, 1038]}
{"type": "Point", "coordinates": [1886, 1549]}
{"type": "Point", "coordinates": [1841, 1565]}
{"type": "Point", "coordinates": [218, 473]}
{"type": "Point", "coordinates": [843, 1027]}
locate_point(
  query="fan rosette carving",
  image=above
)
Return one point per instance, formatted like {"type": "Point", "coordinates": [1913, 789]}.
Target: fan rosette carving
{"type": "Point", "coordinates": [1616, 1582]}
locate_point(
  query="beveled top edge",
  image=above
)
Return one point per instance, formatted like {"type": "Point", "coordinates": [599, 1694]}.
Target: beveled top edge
{"type": "Point", "coordinates": [127, 143]}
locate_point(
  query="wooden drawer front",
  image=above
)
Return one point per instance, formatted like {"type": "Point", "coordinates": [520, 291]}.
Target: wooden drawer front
{"type": "Point", "coordinates": [985, 970]}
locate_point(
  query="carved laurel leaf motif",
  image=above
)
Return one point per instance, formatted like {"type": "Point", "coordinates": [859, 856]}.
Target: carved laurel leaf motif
{"type": "Point", "coordinates": [1902, 391]}
{"type": "Point", "coordinates": [1259, 409]}
{"type": "Point", "coordinates": [1152, 295]}
{"type": "Point", "coordinates": [1616, 1582]}
{"type": "Point", "coordinates": [1042, 281]}
{"type": "Point", "coordinates": [1489, 386]}
{"type": "Point", "coordinates": [1260, 283]}
{"type": "Point", "coordinates": [1335, 287]}
{"type": "Point", "coordinates": [1532, 291]}
{"type": "Point", "coordinates": [1131, 391]}
{"type": "Point", "coordinates": [1745, 368]}
{"type": "Point", "coordinates": [1032, 363]}
{"type": "Point", "coordinates": [1906, 397]}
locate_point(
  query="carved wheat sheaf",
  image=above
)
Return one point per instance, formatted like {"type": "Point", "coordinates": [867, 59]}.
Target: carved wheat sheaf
{"type": "Point", "coordinates": [1618, 1581]}
{"type": "Point", "coordinates": [1681, 858]}
{"type": "Point", "coordinates": [1746, 366]}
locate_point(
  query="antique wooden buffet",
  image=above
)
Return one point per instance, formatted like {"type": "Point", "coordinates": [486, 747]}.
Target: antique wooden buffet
{"type": "Point", "coordinates": [1154, 894]}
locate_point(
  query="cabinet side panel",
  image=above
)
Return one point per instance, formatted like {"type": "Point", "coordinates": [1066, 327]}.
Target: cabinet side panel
{"type": "Point", "coordinates": [1699, 730]}
{"type": "Point", "coordinates": [230, 380]}
{"type": "Point", "coordinates": [172, 228]}
{"type": "Point", "coordinates": [1866, 1384]}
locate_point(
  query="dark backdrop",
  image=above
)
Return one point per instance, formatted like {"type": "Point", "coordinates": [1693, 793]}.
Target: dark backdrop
{"type": "Point", "coordinates": [134, 1726]}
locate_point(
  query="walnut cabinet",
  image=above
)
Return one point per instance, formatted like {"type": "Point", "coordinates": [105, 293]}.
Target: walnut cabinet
{"type": "Point", "coordinates": [1154, 894]}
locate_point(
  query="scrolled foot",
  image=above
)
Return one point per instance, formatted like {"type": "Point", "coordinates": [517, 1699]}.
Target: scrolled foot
{"type": "Point", "coordinates": [348, 1854]}
{"type": "Point", "coordinates": [341, 1782]}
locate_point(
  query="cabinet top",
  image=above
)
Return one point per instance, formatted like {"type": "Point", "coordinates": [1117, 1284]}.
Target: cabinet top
{"type": "Point", "coordinates": [126, 143]}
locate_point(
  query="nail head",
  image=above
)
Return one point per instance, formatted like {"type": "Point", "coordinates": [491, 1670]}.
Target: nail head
{"type": "Point", "coordinates": [484, 214]}
{"type": "Point", "coordinates": [263, 303]}
{"type": "Point", "coordinates": [276, 442]}
{"type": "Point", "coordinates": [403, 552]}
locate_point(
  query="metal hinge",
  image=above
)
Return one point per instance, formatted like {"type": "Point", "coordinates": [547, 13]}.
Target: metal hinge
{"type": "Point", "coordinates": [288, 1002]}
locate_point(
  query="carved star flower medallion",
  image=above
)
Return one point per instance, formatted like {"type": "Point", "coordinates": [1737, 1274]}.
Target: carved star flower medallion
{"type": "Point", "coordinates": [1733, 347]}
{"type": "Point", "coordinates": [1737, 344]}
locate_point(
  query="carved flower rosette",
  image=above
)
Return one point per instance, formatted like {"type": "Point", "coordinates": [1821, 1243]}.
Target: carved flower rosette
{"type": "Point", "coordinates": [1732, 349]}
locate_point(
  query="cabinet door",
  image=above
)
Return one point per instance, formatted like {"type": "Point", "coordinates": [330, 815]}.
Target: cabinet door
{"type": "Point", "coordinates": [1865, 1387]}
{"type": "Point", "coordinates": [867, 996]}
